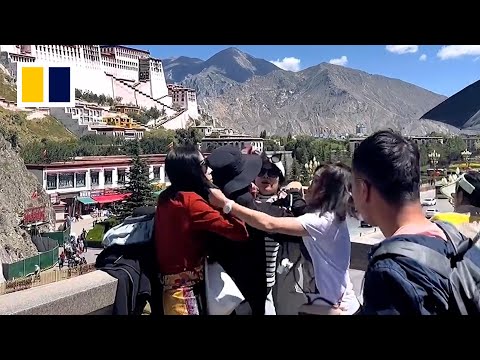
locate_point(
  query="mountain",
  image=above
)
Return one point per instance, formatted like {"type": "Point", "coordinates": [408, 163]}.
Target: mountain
{"type": "Point", "coordinates": [251, 94]}
{"type": "Point", "coordinates": [17, 186]}
{"type": "Point", "coordinates": [214, 76]}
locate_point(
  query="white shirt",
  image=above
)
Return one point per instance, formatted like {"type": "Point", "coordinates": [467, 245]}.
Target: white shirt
{"type": "Point", "coordinates": [328, 243]}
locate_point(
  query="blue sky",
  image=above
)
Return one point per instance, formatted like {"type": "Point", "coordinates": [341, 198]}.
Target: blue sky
{"type": "Point", "coordinates": [442, 69]}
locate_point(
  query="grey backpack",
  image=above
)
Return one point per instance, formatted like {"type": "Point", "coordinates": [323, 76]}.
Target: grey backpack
{"type": "Point", "coordinates": [462, 268]}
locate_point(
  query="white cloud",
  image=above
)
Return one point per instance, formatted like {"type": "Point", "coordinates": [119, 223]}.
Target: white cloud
{"type": "Point", "coordinates": [423, 57]}
{"type": "Point", "coordinates": [456, 51]}
{"type": "Point", "coordinates": [288, 63]}
{"type": "Point", "coordinates": [402, 49]}
{"type": "Point", "coordinates": [342, 61]}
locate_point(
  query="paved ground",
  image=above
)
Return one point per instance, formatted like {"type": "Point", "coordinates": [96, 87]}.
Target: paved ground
{"type": "Point", "coordinates": [87, 224]}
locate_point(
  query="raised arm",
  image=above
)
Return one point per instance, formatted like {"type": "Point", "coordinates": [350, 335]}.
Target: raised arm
{"type": "Point", "coordinates": [206, 218]}
{"type": "Point", "coordinates": [257, 219]}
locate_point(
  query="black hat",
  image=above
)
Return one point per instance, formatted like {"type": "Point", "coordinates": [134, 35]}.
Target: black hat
{"type": "Point", "coordinates": [232, 170]}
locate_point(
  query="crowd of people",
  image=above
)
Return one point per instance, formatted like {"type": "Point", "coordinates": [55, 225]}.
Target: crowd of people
{"type": "Point", "coordinates": [288, 250]}
{"type": "Point", "coordinates": [73, 250]}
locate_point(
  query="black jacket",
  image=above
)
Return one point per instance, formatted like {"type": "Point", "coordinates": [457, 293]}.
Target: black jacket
{"type": "Point", "coordinates": [134, 267]}
{"type": "Point", "coordinates": [245, 262]}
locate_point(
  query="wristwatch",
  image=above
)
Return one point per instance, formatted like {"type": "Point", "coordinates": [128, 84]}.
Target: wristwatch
{"type": "Point", "coordinates": [227, 208]}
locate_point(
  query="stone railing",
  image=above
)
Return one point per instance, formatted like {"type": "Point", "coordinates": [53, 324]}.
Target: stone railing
{"type": "Point", "coordinates": [89, 294]}
{"type": "Point", "coordinates": [94, 293]}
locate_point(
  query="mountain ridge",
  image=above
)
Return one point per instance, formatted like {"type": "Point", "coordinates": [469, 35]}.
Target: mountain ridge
{"type": "Point", "coordinates": [251, 94]}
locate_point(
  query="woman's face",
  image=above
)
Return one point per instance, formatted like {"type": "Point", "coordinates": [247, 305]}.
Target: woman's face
{"type": "Point", "coordinates": [268, 180]}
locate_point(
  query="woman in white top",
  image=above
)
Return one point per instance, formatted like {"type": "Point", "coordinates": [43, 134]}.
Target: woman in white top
{"type": "Point", "coordinates": [324, 232]}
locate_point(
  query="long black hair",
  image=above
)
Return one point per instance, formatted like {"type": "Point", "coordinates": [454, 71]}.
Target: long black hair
{"type": "Point", "coordinates": [186, 172]}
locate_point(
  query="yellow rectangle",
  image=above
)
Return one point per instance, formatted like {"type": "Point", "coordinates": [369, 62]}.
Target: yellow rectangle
{"type": "Point", "coordinates": [32, 84]}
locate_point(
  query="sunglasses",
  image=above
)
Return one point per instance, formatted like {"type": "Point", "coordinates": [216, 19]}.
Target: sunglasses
{"type": "Point", "coordinates": [271, 173]}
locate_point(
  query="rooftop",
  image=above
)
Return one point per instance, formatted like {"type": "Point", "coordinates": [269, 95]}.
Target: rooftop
{"type": "Point", "coordinates": [86, 161]}
{"type": "Point", "coordinates": [125, 47]}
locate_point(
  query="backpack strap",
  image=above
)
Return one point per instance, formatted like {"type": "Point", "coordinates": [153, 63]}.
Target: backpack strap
{"type": "Point", "coordinates": [460, 243]}
{"type": "Point", "coordinates": [421, 254]}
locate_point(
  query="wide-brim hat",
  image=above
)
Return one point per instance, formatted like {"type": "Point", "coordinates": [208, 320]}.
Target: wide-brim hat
{"type": "Point", "coordinates": [232, 170]}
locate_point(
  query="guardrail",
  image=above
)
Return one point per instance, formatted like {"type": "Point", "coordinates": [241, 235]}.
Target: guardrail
{"type": "Point", "coordinates": [25, 267]}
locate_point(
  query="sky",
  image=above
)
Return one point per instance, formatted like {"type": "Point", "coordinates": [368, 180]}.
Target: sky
{"type": "Point", "coordinates": [438, 68]}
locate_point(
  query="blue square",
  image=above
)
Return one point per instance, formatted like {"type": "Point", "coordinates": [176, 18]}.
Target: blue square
{"type": "Point", "coordinates": [59, 84]}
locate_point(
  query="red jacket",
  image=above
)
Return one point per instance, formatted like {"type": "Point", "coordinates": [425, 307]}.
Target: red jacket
{"type": "Point", "coordinates": [182, 227]}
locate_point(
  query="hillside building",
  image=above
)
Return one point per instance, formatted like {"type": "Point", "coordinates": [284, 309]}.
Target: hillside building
{"type": "Point", "coordinates": [116, 71]}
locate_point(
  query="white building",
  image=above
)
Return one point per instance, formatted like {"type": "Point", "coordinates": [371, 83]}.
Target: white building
{"type": "Point", "coordinates": [97, 178]}
{"type": "Point", "coordinates": [87, 114]}
{"type": "Point", "coordinates": [115, 71]}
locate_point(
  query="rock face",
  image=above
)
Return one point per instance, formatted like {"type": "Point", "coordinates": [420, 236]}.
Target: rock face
{"type": "Point", "coordinates": [251, 95]}
{"type": "Point", "coordinates": [17, 189]}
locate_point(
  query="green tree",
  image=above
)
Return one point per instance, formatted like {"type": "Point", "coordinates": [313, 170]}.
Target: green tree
{"type": "Point", "coordinates": [263, 134]}
{"type": "Point", "coordinates": [138, 186]}
{"type": "Point", "coordinates": [296, 172]}
{"type": "Point", "coordinates": [189, 136]}
{"type": "Point", "coordinates": [271, 145]}
{"type": "Point", "coordinates": [289, 137]}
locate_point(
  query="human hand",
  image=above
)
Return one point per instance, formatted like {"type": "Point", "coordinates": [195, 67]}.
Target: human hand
{"type": "Point", "coordinates": [254, 190]}
{"type": "Point", "coordinates": [294, 185]}
{"type": "Point", "coordinates": [216, 198]}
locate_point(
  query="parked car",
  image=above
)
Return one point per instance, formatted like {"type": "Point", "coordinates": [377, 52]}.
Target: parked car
{"type": "Point", "coordinates": [364, 224]}
{"type": "Point", "coordinates": [429, 202]}
{"type": "Point", "coordinates": [430, 212]}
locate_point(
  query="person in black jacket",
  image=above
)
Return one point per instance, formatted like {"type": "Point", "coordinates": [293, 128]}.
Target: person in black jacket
{"type": "Point", "coordinates": [245, 262]}
{"type": "Point", "coordinates": [134, 266]}
{"type": "Point", "coordinates": [269, 184]}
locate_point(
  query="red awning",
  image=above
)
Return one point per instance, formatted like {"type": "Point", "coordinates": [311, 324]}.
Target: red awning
{"type": "Point", "coordinates": [103, 199]}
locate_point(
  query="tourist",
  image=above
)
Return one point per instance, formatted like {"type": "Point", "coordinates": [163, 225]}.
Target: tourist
{"type": "Point", "coordinates": [234, 178]}
{"type": "Point", "coordinates": [183, 221]}
{"type": "Point", "coordinates": [324, 232]}
{"type": "Point", "coordinates": [386, 192]}
{"type": "Point", "coordinates": [465, 193]}
{"type": "Point", "coordinates": [268, 185]}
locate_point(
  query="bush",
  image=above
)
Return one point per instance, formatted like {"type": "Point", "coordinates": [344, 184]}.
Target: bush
{"type": "Point", "coordinates": [464, 165]}
{"type": "Point", "coordinates": [95, 235]}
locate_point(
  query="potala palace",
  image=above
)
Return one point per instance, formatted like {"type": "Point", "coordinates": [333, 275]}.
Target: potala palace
{"type": "Point", "coordinates": [133, 76]}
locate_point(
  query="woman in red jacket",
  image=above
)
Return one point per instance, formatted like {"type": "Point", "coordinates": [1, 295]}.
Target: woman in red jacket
{"type": "Point", "coordinates": [182, 222]}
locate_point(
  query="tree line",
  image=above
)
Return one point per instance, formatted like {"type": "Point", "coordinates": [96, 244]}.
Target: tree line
{"type": "Point", "coordinates": [154, 142]}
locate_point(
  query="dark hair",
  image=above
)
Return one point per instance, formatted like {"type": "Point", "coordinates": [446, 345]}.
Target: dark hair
{"type": "Point", "coordinates": [473, 177]}
{"type": "Point", "coordinates": [391, 164]}
{"type": "Point", "coordinates": [333, 191]}
{"type": "Point", "coordinates": [185, 172]}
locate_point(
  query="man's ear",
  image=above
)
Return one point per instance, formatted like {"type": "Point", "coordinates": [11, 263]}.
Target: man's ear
{"type": "Point", "coordinates": [366, 191]}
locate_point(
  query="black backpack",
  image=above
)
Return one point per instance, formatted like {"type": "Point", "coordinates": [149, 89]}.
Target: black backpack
{"type": "Point", "coordinates": [462, 269]}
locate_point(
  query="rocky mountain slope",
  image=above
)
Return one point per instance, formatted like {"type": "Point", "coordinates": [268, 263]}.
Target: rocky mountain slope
{"type": "Point", "coordinates": [250, 95]}
{"type": "Point", "coordinates": [17, 185]}
{"type": "Point", "coordinates": [219, 73]}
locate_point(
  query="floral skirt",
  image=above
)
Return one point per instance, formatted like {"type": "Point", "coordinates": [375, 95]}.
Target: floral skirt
{"type": "Point", "coordinates": [184, 293]}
